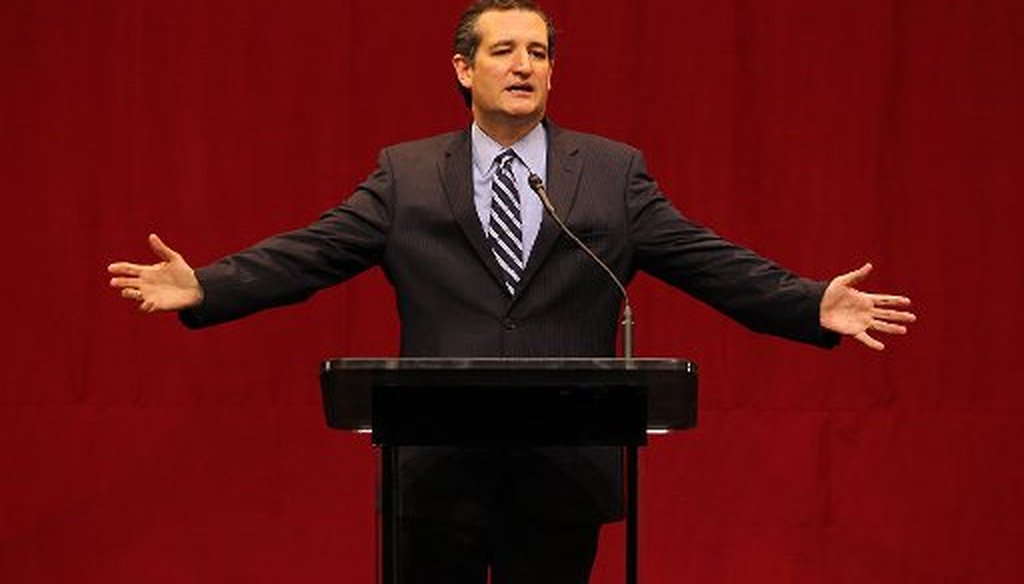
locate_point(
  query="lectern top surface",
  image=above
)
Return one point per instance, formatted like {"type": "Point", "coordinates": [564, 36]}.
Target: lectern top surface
{"type": "Point", "coordinates": [510, 363]}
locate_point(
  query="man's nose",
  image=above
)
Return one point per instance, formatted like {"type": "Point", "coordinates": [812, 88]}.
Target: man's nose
{"type": "Point", "coordinates": [522, 63]}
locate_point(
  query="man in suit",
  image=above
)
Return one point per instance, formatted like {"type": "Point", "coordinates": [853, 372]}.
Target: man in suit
{"type": "Point", "coordinates": [480, 271]}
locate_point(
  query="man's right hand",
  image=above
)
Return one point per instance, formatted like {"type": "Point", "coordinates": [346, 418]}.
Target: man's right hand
{"type": "Point", "coordinates": [168, 285]}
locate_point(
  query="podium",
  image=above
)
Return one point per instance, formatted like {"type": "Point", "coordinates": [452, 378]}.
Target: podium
{"type": "Point", "coordinates": [507, 402]}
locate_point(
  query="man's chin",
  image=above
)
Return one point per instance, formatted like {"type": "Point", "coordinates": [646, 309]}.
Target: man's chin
{"type": "Point", "coordinates": [510, 117]}
{"type": "Point", "coordinates": [524, 115]}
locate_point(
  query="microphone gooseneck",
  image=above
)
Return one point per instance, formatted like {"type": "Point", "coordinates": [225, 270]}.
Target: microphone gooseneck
{"type": "Point", "coordinates": [627, 311]}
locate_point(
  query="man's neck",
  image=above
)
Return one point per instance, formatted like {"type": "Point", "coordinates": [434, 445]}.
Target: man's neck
{"type": "Point", "coordinates": [506, 133]}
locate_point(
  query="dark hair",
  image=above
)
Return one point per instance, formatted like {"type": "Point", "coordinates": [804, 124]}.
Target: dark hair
{"type": "Point", "coordinates": [467, 40]}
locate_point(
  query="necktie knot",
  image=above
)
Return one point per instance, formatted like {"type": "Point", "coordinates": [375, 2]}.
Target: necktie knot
{"type": "Point", "coordinates": [504, 160]}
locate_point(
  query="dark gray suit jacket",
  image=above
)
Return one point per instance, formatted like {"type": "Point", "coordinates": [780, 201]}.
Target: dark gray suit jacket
{"type": "Point", "coordinates": [415, 217]}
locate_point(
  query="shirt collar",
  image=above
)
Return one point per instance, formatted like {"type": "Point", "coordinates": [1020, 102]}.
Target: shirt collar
{"type": "Point", "coordinates": [531, 149]}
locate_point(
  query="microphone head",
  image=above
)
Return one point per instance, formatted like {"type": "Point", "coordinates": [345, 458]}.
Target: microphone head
{"type": "Point", "coordinates": [535, 182]}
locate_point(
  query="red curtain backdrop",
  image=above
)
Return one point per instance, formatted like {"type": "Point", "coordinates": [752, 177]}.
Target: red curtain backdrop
{"type": "Point", "coordinates": [820, 133]}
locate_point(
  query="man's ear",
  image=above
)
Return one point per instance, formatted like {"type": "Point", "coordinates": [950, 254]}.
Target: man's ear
{"type": "Point", "coordinates": [551, 74]}
{"type": "Point", "coordinates": [463, 70]}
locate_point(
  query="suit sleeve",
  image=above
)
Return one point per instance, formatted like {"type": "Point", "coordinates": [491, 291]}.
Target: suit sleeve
{"type": "Point", "coordinates": [290, 267]}
{"type": "Point", "coordinates": [750, 289]}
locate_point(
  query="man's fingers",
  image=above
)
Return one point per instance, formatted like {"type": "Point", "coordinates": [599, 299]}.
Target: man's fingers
{"type": "Point", "coordinates": [125, 269]}
{"type": "Point", "coordinates": [125, 282]}
{"type": "Point", "coordinates": [132, 269]}
{"type": "Point", "coordinates": [148, 284]}
{"type": "Point", "coordinates": [888, 327]}
{"type": "Point", "coordinates": [895, 315]}
{"type": "Point", "coordinates": [889, 300]}
{"type": "Point", "coordinates": [869, 341]}
{"type": "Point", "coordinates": [851, 278]}
{"type": "Point", "coordinates": [160, 248]}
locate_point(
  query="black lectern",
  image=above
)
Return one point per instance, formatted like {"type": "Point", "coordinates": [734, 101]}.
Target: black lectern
{"type": "Point", "coordinates": [505, 402]}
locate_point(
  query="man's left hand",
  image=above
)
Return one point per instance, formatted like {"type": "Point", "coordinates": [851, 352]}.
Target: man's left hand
{"type": "Point", "coordinates": [849, 311]}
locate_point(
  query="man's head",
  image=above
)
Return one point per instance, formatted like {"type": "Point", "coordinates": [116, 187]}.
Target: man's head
{"type": "Point", "coordinates": [503, 60]}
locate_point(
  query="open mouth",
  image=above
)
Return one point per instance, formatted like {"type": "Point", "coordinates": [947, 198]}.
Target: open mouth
{"type": "Point", "coordinates": [520, 88]}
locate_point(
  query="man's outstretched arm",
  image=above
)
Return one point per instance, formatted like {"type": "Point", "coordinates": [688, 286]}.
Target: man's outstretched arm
{"type": "Point", "coordinates": [168, 285]}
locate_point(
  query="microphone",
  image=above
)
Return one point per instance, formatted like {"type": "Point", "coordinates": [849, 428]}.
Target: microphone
{"type": "Point", "coordinates": [627, 311]}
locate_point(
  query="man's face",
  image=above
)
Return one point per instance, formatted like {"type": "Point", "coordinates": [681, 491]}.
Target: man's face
{"type": "Point", "coordinates": [511, 74]}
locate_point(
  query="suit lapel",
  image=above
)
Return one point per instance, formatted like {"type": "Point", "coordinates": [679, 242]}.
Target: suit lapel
{"type": "Point", "coordinates": [457, 178]}
{"type": "Point", "coordinates": [564, 168]}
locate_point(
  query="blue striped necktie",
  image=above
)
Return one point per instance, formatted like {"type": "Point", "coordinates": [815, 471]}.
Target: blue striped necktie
{"type": "Point", "coordinates": [505, 229]}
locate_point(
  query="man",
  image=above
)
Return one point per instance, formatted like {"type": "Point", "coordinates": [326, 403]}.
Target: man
{"type": "Point", "coordinates": [479, 270]}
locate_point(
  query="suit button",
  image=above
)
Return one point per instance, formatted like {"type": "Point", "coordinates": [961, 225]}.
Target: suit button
{"type": "Point", "coordinates": [509, 324]}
